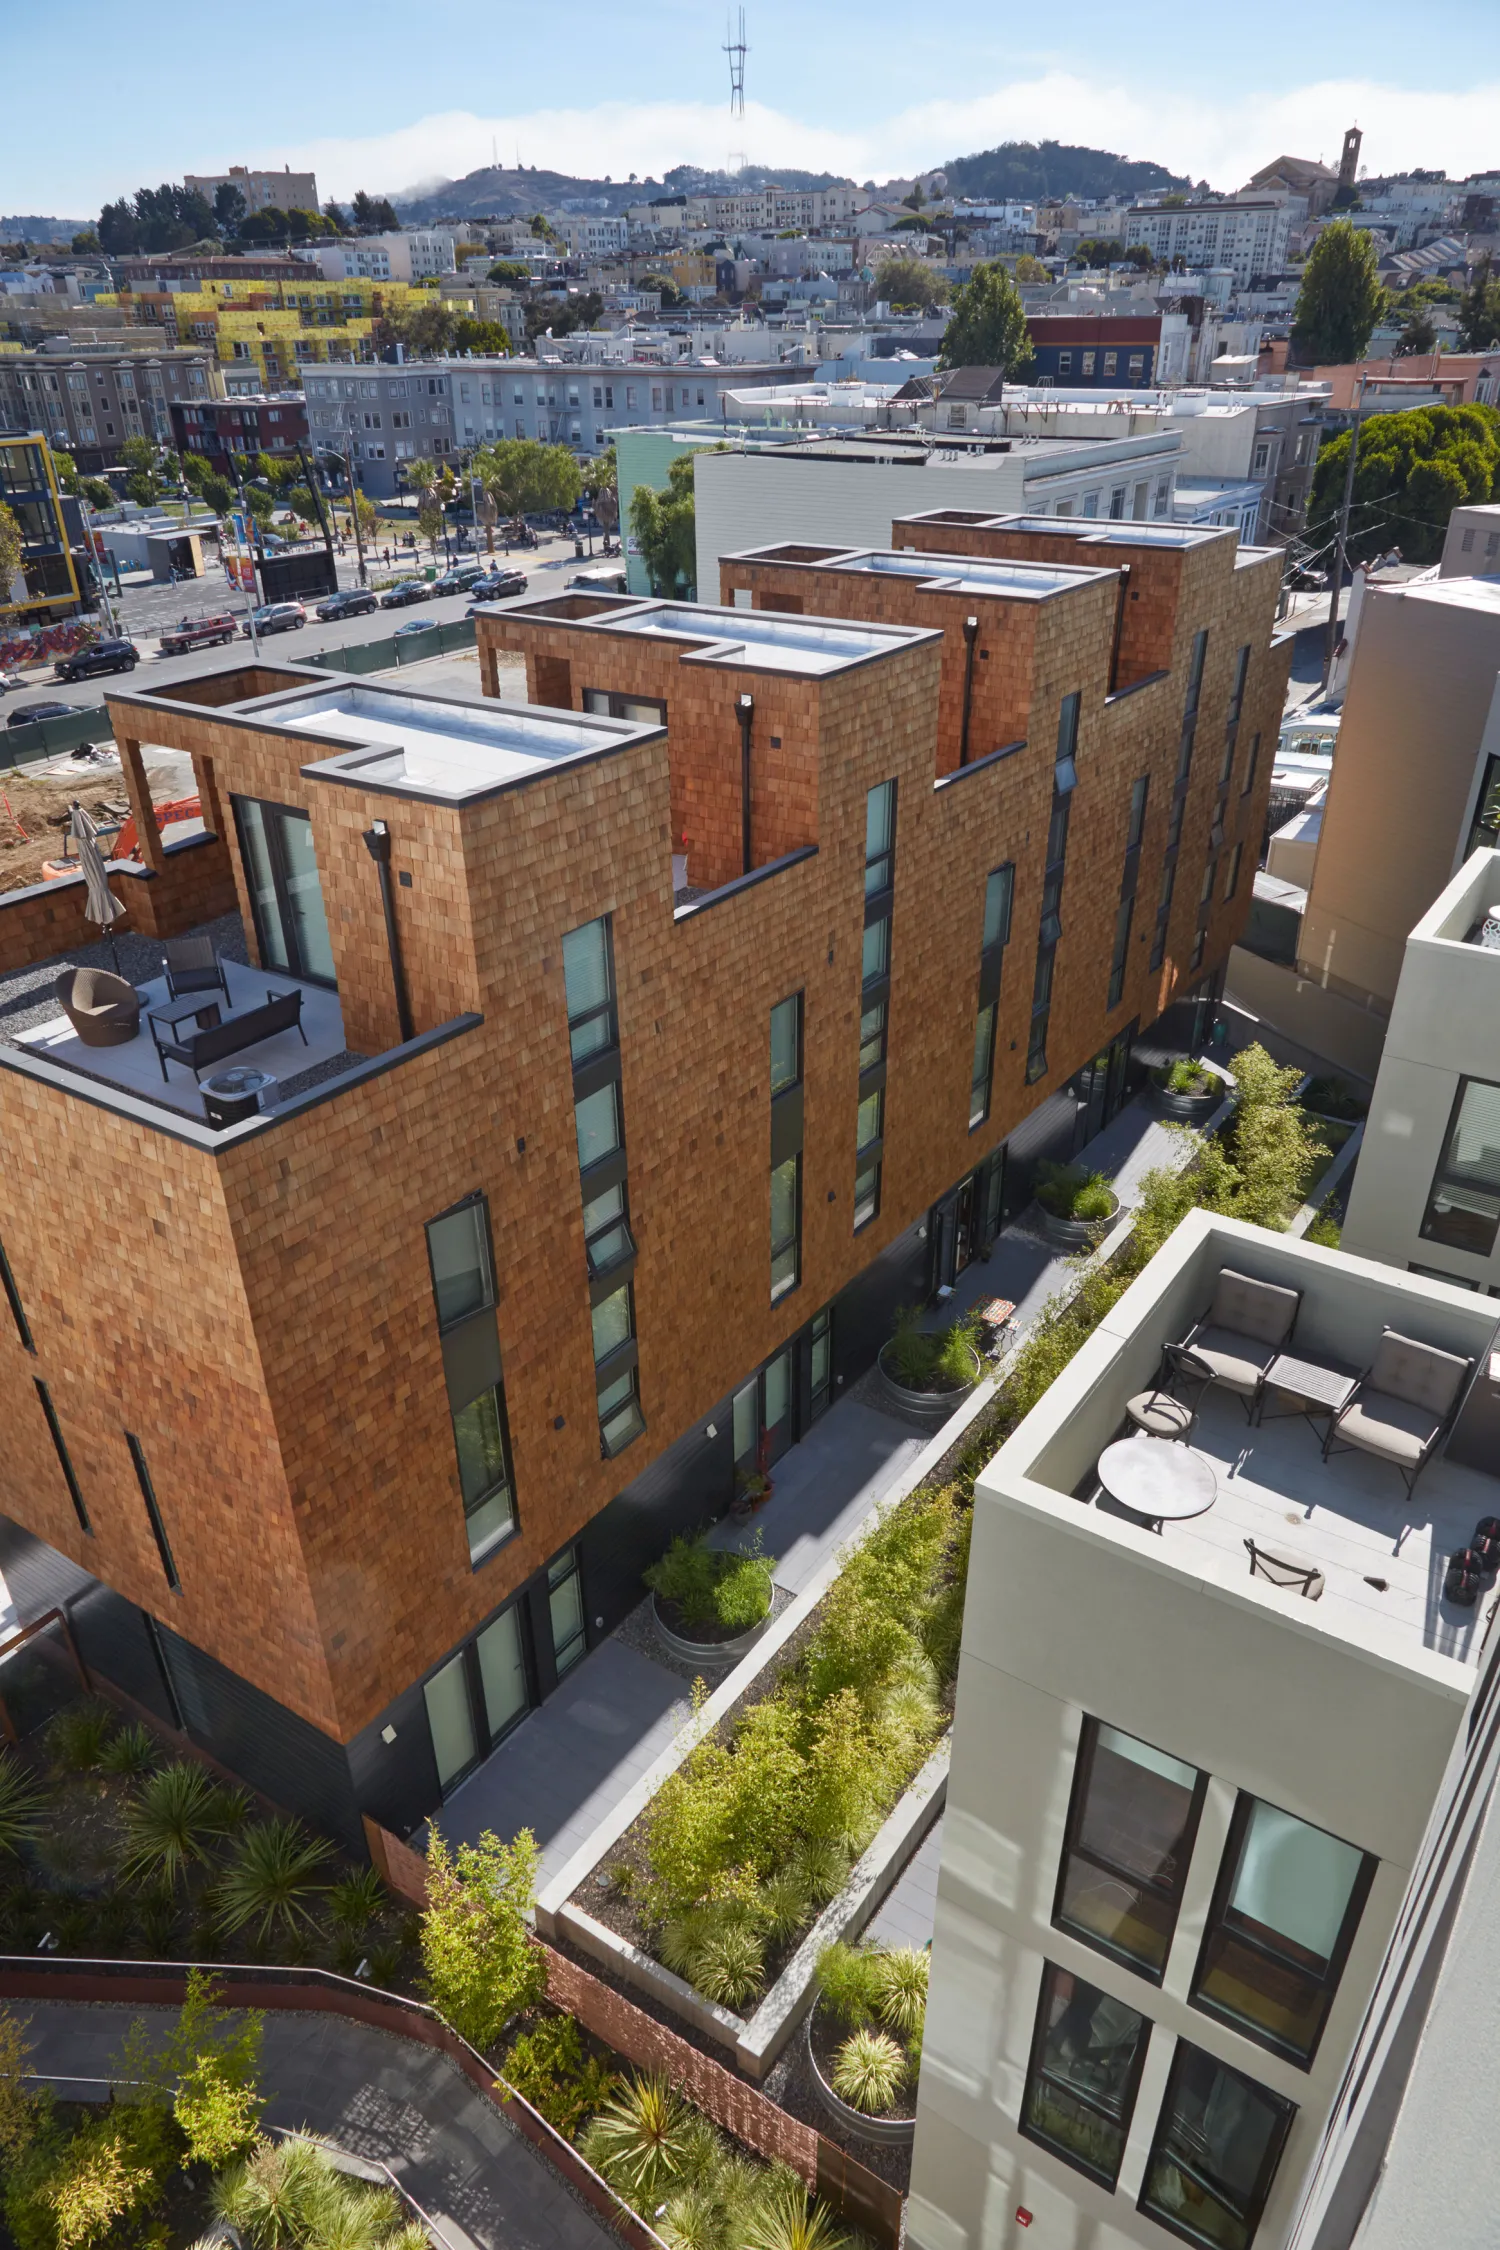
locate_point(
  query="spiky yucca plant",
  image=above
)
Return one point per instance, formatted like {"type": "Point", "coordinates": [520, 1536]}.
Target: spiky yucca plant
{"type": "Point", "coordinates": [171, 1823]}
{"type": "Point", "coordinates": [640, 2140]}
{"type": "Point", "coordinates": [901, 1989]}
{"type": "Point", "coordinates": [271, 1879]}
{"type": "Point", "coordinates": [785, 2218]}
{"type": "Point", "coordinates": [868, 2070]}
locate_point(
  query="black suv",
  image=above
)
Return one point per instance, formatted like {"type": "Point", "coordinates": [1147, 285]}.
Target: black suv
{"type": "Point", "coordinates": [495, 584]}
{"type": "Point", "coordinates": [354, 601]}
{"type": "Point", "coordinates": [99, 656]}
{"type": "Point", "coordinates": [405, 592]}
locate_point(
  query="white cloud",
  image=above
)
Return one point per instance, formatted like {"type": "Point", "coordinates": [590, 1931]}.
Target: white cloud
{"type": "Point", "coordinates": [1221, 141]}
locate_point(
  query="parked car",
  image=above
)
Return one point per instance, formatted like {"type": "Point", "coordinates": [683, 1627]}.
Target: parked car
{"type": "Point", "coordinates": [197, 632]}
{"type": "Point", "coordinates": [459, 579]}
{"type": "Point", "coordinates": [25, 713]}
{"type": "Point", "coordinates": [353, 601]}
{"type": "Point", "coordinates": [277, 617]}
{"type": "Point", "coordinates": [414, 625]}
{"type": "Point", "coordinates": [404, 593]}
{"type": "Point", "coordinates": [497, 584]}
{"type": "Point", "coordinates": [100, 656]}
{"type": "Point", "coordinates": [600, 579]}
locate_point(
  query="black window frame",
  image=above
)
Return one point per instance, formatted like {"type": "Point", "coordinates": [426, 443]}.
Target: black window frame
{"type": "Point", "coordinates": [1325, 1982]}
{"type": "Point", "coordinates": [1443, 1176]}
{"type": "Point", "coordinates": [793, 1241]}
{"type": "Point", "coordinates": [982, 1079]}
{"type": "Point", "coordinates": [886, 858]}
{"type": "Point", "coordinates": [17, 1309]}
{"type": "Point", "coordinates": [153, 1512]}
{"type": "Point", "coordinates": [1038, 2074]}
{"type": "Point", "coordinates": [505, 1482]}
{"type": "Point", "coordinates": [607, 1009]}
{"type": "Point", "coordinates": [1251, 762]}
{"type": "Point", "coordinates": [280, 879]}
{"type": "Point", "coordinates": [477, 1202]}
{"type": "Point", "coordinates": [614, 703]}
{"type": "Point", "coordinates": [1254, 2209]}
{"type": "Point", "coordinates": [793, 1000]}
{"type": "Point", "coordinates": [1169, 1892]}
{"type": "Point", "coordinates": [1163, 915]}
{"type": "Point", "coordinates": [64, 1458]}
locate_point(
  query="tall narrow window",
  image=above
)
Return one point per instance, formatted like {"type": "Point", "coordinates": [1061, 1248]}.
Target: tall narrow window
{"type": "Point", "coordinates": [1129, 879]}
{"type": "Point", "coordinates": [1131, 1823]}
{"type": "Point", "coordinates": [1163, 914]}
{"type": "Point", "coordinates": [875, 969]}
{"type": "Point", "coordinates": [1285, 1910]}
{"type": "Point", "coordinates": [153, 1512]}
{"type": "Point", "coordinates": [1219, 2138]}
{"type": "Point", "coordinates": [1064, 782]}
{"type": "Point", "coordinates": [1085, 2068]}
{"type": "Point", "coordinates": [994, 933]}
{"type": "Point", "coordinates": [786, 1145]}
{"type": "Point", "coordinates": [54, 1431]}
{"type": "Point", "coordinates": [1463, 1204]}
{"type": "Point", "coordinates": [1186, 738]}
{"type": "Point", "coordinates": [286, 896]}
{"type": "Point", "coordinates": [1232, 879]}
{"type": "Point", "coordinates": [599, 1125]}
{"type": "Point", "coordinates": [1252, 760]}
{"type": "Point", "coordinates": [463, 1290]}
{"type": "Point", "coordinates": [13, 1299]}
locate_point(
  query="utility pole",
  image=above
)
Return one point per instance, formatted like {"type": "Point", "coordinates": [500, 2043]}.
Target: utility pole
{"type": "Point", "coordinates": [359, 537]}
{"type": "Point", "coordinates": [1331, 641]}
{"type": "Point", "coordinates": [317, 501]}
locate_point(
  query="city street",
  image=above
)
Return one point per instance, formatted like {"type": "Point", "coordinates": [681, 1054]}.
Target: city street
{"type": "Point", "coordinates": [147, 609]}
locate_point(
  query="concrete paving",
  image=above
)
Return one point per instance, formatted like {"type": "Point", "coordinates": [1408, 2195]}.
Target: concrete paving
{"type": "Point", "coordinates": [909, 1913]}
{"type": "Point", "coordinates": [379, 2097]}
{"type": "Point", "coordinates": [568, 1764]}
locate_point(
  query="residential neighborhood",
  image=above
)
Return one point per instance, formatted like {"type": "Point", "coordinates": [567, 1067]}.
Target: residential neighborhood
{"type": "Point", "coordinates": [748, 1223]}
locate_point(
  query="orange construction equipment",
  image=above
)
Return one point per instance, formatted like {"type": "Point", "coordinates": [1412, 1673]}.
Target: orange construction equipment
{"type": "Point", "coordinates": [181, 808]}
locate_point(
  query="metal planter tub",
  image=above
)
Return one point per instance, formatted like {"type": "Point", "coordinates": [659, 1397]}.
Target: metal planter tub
{"type": "Point", "coordinates": [1077, 1234]}
{"type": "Point", "coordinates": [705, 1654]}
{"type": "Point", "coordinates": [886, 2132]}
{"type": "Point", "coordinates": [933, 1406]}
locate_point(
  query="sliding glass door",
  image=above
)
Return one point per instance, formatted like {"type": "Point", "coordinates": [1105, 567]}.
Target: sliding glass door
{"type": "Point", "coordinates": [286, 897]}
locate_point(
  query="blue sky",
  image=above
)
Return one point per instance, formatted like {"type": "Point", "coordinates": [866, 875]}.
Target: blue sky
{"type": "Point", "coordinates": [386, 93]}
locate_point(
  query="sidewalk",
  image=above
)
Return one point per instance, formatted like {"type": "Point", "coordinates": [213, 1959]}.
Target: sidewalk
{"type": "Point", "coordinates": [569, 1763]}
{"type": "Point", "coordinates": [375, 2096]}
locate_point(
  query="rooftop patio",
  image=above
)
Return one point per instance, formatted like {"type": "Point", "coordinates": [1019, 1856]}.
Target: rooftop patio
{"type": "Point", "coordinates": [1249, 1465]}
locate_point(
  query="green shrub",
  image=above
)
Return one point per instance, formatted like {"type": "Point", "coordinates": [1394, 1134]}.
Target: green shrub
{"type": "Point", "coordinates": [641, 2141]}
{"type": "Point", "coordinates": [357, 1900]}
{"type": "Point", "coordinates": [479, 1963]}
{"type": "Point", "coordinates": [868, 2071]}
{"type": "Point", "coordinates": [1068, 1192]}
{"type": "Point", "coordinates": [269, 1885]}
{"type": "Point", "coordinates": [786, 2218]}
{"type": "Point", "coordinates": [131, 1752]}
{"type": "Point", "coordinates": [22, 1804]}
{"type": "Point", "coordinates": [1184, 1077]}
{"type": "Point", "coordinates": [849, 1981]}
{"type": "Point", "coordinates": [1326, 1229]}
{"type": "Point", "coordinates": [713, 1585]}
{"type": "Point", "coordinates": [901, 1989]}
{"type": "Point", "coordinates": [1095, 1199]}
{"type": "Point", "coordinates": [79, 1735]}
{"type": "Point", "coordinates": [1334, 1097]}
{"type": "Point", "coordinates": [549, 2067]}
{"type": "Point", "coordinates": [171, 1823]}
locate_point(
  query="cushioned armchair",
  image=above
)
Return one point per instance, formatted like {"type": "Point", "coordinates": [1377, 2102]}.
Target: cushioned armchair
{"type": "Point", "coordinates": [191, 964]}
{"type": "Point", "coordinates": [1247, 1324]}
{"type": "Point", "coordinates": [103, 1009]}
{"type": "Point", "coordinates": [1403, 1405]}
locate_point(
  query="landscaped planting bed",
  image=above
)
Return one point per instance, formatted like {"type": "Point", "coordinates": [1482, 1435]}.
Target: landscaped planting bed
{"type": "Point", "coordinates": [723, 1873]}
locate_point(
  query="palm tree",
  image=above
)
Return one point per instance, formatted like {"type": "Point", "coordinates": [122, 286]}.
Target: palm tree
{"type": "Point", "coordinates": [271, 1878]}
{"type": "Point", "coordinates": [171, 1823]}
{"type": "Point", "coordinates": [22, 1801]}
{"type": "Point", "coordinates": [640, 2140]}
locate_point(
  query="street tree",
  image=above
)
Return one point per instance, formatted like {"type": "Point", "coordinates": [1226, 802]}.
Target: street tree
{"type": "Point", "coordinates": [906, 284]}
{"type": "Point", "coordinates": [1479, 309]}
{"type": "Point", "coordinates": [1413, 469]}
{"type": "Point", "coordinates": [665, 529]}
{"type": "Point", "coordinates": [10, 559]}
{"type": "Point", "coordinates": [526, 478]}
{"type": "Point", "coordinates": [988, 327]}
{"type": "Point", "coordinates": [142, 485]}
{"type": "Point", "coordinates": [1340, 300]}
{"type": "Point", "coordinates": [229, 207]}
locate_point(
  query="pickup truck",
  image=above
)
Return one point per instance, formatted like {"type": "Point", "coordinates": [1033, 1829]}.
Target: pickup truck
{"type": "Point", "coordinates": [197, 632]}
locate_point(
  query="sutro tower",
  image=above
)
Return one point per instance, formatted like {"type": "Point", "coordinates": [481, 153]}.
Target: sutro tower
{"type": "Point", "coordinates": [736, 50]}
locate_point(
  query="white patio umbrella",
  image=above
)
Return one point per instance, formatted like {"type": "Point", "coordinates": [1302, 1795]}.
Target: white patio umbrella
{"type": "Point", "coordinates": [102, 907]}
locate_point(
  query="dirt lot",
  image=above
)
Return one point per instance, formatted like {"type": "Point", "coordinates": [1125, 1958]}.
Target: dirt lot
{"type": "Point", "coordinates": [35, 805]}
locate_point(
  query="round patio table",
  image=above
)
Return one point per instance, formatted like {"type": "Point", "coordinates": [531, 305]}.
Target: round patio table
{"type": "Point", "coordinates": [1158, 1479]}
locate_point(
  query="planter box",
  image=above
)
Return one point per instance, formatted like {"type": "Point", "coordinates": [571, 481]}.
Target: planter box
{"type": "Point", "coordinates": [706, 1654]}
{"type": "Point", "coordinates": [1076, 1234]}
{"type": "Point", "coordinates": [887, 2132]}
{"type": "Point", "coordinates": [1188, 1109]}
{"type": "Point", "coordinates": [932, 1406]}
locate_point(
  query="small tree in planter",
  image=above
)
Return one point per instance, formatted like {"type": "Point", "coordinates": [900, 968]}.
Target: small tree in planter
{"type": "Point", "coordinates": [1075, 1204]}
{"type": "Point", "coordinates": [481, 1966]}
{"type": "Point", "coordinates": [709, 1594]}
{"type": "Point", "coordinates": [865, 2034]}
{"type": "Point", "coordinates": [1184, 1088]}
{"type": "Point", "coordinates": [937, 1363]}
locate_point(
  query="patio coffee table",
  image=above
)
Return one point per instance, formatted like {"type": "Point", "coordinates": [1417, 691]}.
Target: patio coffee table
{"type": "Point", "coordinates": [1158, 1479]}
{"type": "Point", "coordinates": [204, 1012]}
{"type": "Point", "coordinates": [1317, 1390]}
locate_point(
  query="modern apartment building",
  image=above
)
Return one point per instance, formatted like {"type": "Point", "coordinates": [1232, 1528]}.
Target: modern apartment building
{"type": "Point", "coordinates": [224, 430]}
{"type": "Point", "coordinates": [437, 409]}
{"type": "Point", "coordinates": [1415, 789]}
{"type": "Point", "coordinates": [285, 190]}
{"type": "Point", "coordinates": [609, 1155]}
{"type": "Point", "coordinates": [1426, 1192]}
{"type": "Point", "coordinates": [88, 404]}
{"type": "Point", "coordinates": [412, 254]}
{"type": "Point", "coordinates": [846, 490]}
{"type": "Point", "coordinates": [1195, 1760]}
{"type": "Point", "coordinates": [47, 586]}
{"type": "Point", "coordinates": [1247, 233]}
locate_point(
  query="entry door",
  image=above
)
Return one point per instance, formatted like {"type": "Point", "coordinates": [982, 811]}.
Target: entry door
{"type": "Point", "coordinates": [764, 1421]}
{"type": "Point", "coordinates": [450, 1717]}
{"type": "Point", "coordinates": [478, 1696]}
{"type": "Point", "coordinates": [964, 1206]}
{"type": "Point", "coordinates": [286, 896]}
{"type": "Point", "coordinates": [820, 1365]}
{"type": "Point", "coordinates": [502, 1673]}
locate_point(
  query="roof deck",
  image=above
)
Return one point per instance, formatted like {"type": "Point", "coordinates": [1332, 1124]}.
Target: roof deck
{"type": "Point", "coordinates": [937, 573]}
{"type": "Point", "coordinates": [1383, 1553]}
{"type": "Point", "coordinates": [730, 639]}
{"type": "Point", "coordinates": [1106, 531]}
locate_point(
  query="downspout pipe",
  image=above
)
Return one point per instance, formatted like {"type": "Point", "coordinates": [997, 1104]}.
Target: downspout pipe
{"type": "Point", "coordinates": [971, 635]}
{"type": "Point", "coordinates": [1121, 598]}
{"type": "Point", "coordinates": [745, 711]}
{"type": "Point", "coordinates": [377, 840]}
